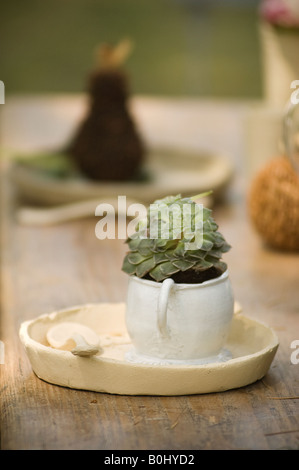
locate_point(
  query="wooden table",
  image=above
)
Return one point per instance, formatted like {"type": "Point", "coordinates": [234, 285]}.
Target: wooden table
{"type": "Point", "coordinates": [49, 268]}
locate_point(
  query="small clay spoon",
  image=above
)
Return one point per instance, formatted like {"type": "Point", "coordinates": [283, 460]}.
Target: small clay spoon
{"type": "Point", "coordinates": [79, 339]}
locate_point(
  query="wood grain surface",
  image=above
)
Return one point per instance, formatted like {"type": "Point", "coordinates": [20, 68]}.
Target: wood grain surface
{"type": "Point", "coordinates": [49, 268]}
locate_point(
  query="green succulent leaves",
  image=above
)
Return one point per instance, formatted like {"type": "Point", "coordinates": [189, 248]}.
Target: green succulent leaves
{"type": "Point", "coordinates": [176, 235]}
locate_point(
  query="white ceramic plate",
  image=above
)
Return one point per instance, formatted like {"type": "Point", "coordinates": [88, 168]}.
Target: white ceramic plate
{"type": "Point", "coordinates": [252, 344]}
{"type": "Point", "coordinates": [170, 171]}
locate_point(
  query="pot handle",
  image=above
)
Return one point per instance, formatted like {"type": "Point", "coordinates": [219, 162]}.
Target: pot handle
{"type": "Point", "coordinates": [165, 289]}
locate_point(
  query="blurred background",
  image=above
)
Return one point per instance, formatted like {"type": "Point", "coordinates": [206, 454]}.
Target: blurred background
{"type": "Point", "coordinates": [210, 75]}
{"type": "Point", "coordinates": [182, 47]}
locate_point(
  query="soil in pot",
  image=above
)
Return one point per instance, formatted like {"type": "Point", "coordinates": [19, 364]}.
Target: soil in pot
{"type": "Point", "coordinates": [192, 277]}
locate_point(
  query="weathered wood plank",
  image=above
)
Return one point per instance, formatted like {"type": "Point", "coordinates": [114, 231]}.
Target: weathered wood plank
{"type": "Point", "coordinates": [45, 269]}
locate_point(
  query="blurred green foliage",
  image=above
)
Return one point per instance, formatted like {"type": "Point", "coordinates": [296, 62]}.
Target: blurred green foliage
{"type": "Point", "coordinates": [182, 47]}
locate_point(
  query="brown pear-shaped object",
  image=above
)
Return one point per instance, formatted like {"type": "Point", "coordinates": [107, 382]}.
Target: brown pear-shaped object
{"type": "Point", "coordinates": [274, 204]}
{"type": "Point", "coordinates": [107, 145]}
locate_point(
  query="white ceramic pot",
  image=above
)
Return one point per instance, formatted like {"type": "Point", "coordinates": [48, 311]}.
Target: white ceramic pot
{"type": "Point", "coordinates": [180, 322]}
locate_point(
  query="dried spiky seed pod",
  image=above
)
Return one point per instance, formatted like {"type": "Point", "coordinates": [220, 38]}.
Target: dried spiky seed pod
{"type": "Point", "coordinates": [107, 145]}
{"type": "Point", "coordinates": [274, 204]}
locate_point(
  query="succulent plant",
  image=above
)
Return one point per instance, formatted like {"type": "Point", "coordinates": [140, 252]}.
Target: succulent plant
{"type": "Point", "coordinates": [177, 235]}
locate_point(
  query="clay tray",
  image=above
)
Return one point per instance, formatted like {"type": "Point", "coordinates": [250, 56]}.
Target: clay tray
{"type": "Point", "coordinates": [252, 345]}
{"type": "Point", "coordinates": [168, 170]}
